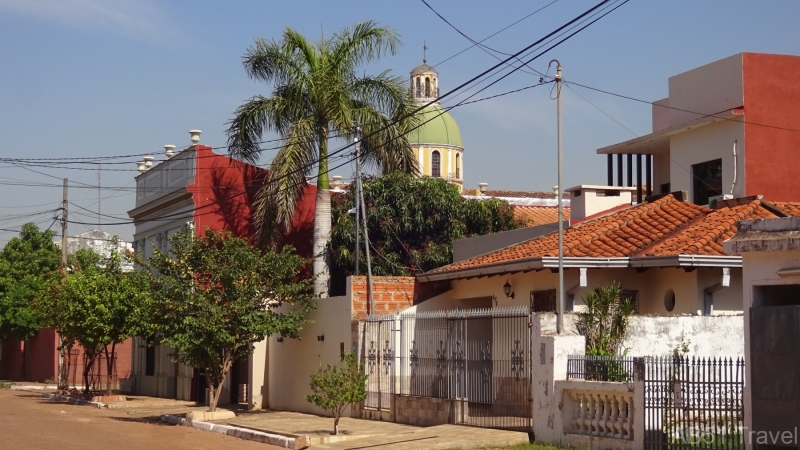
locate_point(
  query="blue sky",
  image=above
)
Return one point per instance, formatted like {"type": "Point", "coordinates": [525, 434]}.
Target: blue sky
{"type": "Point", "coordinates": [100, 77]}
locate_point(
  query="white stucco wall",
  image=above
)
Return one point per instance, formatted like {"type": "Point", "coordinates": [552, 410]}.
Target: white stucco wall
{"type": "Point", "coordinates": [707, 89]}
{"type": "Point", "coordinates": [714, 141]}
{"type": "Point", "coordinates": [292, 361]}
{"type": "Point", "coordinates": [652, 285]}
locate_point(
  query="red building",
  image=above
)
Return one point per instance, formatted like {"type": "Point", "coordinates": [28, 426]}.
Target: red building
{"type": "Point", "coordinates": [194, 189]}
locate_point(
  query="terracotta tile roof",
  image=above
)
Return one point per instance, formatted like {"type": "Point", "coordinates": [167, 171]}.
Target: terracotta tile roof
{"type": "Point", "coordinates": [791, 208]}
{"type": "Point", "coordinates": [538, 215]}
{"type": "Point", "coordinates": [664, 227]}
{"type": "Point", "coordinates": [522, 194]}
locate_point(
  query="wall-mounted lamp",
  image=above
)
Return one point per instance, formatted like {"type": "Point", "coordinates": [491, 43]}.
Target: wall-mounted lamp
{"type": "Point", "coordinates": [507, 290]}
{"type": "Point", "coordinates": [280, 338]}
{"type": "Point", "coordinates": [321, 337]}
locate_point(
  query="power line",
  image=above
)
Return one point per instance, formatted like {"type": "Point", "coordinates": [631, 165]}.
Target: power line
{"type": "Point", "coordinates": [461, 86]}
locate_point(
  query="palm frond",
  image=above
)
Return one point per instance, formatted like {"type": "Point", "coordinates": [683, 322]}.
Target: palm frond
{"type": "Point", "coordinates": [364, 42]}
{"type": "Point", "coordinates": [290, 167]}
{"type": "Point", "coordinates": [271, 61]}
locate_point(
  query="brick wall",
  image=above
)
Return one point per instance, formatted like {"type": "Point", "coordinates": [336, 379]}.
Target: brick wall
{"type": "Point", "coordinates": [390, 294]}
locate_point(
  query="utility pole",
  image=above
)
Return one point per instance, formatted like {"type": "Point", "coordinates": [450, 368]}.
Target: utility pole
{"type": "Point", "coordinates": [360, 192]}
{"type": "Point", "coordinates": [62, 367]}
{"type": "Point", "coordinates": [357, 199]}
{"type": "Point", "coordinates": [560, 195]}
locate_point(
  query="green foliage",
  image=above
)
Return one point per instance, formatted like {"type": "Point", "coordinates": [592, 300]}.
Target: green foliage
{"type": "Point", "coordinates": [215, 295]}
{"type": "Point", "coordinates": [319, 89]}
{"type": "Point", "coordinates": [97, 305]}
{"type": "Point", "coordinates": [4, 385]}
{"type": "Point", "coordinates": [412, 225]}
{"type": "Point", "coordinates": [27, 264]}
{"type": "Point", "coordinates": [605, 320]}
{"type": "Point", "coordinates": [335, 387]}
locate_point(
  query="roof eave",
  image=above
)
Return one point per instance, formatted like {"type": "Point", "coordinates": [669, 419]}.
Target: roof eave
{"type": "Point", "coordinates": [684, 260]}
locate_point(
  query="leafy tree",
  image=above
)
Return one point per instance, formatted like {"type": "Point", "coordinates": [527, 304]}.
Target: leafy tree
{"type": "Point", "coordinates": [99, 306]}
{"type": "Point", "coordinates": [318, 94]}
{"type": "Point", "coordinates": [605, 320]}
{"type": "Point", "coordinates": [27, 263]}
{"type": "Point", "coordinates": [215, 295]}
{"type": "Point", "coordinates": [336, 387]}
{"type": "Point", "coordinates": [412, 225]}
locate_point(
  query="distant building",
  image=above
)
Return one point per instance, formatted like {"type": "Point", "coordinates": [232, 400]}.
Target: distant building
{"type": "Point", "coordinates": [437, 141]}
{"type": "Point", "coordinates": [728, 129]}
{"type": "Point", "coordinates": [101, 242]}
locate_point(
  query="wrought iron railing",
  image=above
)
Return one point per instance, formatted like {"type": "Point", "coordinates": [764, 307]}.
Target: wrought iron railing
{"type": "Point", "coordinates": [694, 403]}
{"type": "Point", "coordinates": [600, 368]}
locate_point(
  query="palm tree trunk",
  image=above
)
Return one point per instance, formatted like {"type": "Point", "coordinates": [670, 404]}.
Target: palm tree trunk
{"type": "Point", "coordinates": [322, 221]}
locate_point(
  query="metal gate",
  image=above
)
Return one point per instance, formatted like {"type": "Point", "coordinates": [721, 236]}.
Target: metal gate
{"type": "Point", "coordinates": [378, 341]}
{"type": "Point", "coordinates": [693, 403]}
{"type": "Point", "coordinates": [480, 357]}
{"type": "Point", "coordinates": [775, 388]}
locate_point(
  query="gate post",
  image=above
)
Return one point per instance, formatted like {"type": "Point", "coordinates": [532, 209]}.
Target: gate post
{"type": "Point", "coordinates": [547, 419]}
{"type": "Point", "coordinates": [638, 402]}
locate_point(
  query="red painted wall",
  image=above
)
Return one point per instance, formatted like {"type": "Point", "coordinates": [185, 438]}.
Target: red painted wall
{"type": "Point", "coordinates": [11, 360]}
{"type": "Point", "coordinates": [772, 97]}
{"type": "Point", "coordinates": [225, 188]}
{"type": "Point", "coordinates": [42, 357]}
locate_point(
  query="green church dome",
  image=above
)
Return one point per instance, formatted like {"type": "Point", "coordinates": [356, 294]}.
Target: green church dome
{"type": "Point", "coordinates": [438, 127]}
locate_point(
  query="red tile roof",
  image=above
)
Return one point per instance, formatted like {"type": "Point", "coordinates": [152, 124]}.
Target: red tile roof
{"type": "Point", "coordinates": [664, 227]}
{"type": "Point", "coordinates": [538, 215]}
{"type": "Point", "coordinates": [522, 194]}
{"type": "Point", "coordinates": [793, 208]}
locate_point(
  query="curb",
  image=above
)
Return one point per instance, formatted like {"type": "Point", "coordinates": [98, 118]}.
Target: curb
{"type": "Point", "coordinates": [241, 433]}
{"type": "Point", "coordinates": [72, 400]}
{"type": "Point", "coordinates": [36, 387]}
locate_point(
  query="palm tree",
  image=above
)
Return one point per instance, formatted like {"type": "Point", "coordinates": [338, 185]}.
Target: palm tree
{"type": "Point", "coordinates": [317, 95]}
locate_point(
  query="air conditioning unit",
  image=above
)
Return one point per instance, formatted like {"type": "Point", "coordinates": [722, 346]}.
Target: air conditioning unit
{"type": "Point", "coordinates": [713, 200]}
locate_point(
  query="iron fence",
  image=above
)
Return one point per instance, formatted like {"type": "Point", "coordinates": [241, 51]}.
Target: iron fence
{"type": "Point", "coordinates": [600, 368]}
{"type": "Point", "coordinates": [481, 356]}
{"type": "Point", "coordinates": [76, 363]}
{"type": "Point", "coordinates": [693, 403]}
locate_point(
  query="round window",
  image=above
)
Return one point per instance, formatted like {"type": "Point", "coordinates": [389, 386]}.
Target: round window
{"type": "Point", "coordinates": [669, 300]}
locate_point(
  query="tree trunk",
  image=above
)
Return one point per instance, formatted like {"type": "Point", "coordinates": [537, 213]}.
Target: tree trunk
{"type": "Point", "coordinates": [322, 222]}
{"type": "Point", "coordinates": [336, 425]}
{"type": "Point", "coordinates": [217, 379]}
{"type": "Point", "coordinates": [109, 367]}
{"type": "Point", "coordinates": [86, 369]}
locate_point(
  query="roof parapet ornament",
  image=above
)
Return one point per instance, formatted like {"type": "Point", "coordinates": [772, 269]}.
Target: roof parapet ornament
{"type": "Point", "coordinates": [169, 150]}
{"type": "Point", "coordinates": [195, 136]}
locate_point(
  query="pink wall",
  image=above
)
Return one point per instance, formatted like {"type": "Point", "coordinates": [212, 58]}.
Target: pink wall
{"type": "Point", "coordinates": [225, 188]}
{"type": "Point", "coordinates": [772, 97]}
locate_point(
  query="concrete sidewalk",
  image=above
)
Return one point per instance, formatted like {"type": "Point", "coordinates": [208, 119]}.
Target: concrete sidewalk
{"type": "Point", "coordinates": [358, 433]}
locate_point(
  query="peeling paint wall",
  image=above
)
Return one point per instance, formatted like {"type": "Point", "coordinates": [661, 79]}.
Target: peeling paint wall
{"type": "Point", "coordinates": [714, 336]}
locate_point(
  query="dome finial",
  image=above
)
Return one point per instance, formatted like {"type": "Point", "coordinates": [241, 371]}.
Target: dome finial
{"type": "Point", "coordinates": [424, 50]}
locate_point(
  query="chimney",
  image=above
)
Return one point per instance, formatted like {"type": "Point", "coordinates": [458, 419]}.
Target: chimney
{"type": "Point", "coordinates": [588, 200]}
{"type": "Point", "coordinates": [195, 136]}
{"type": "Point", "coordinates": [169, 150]}
{"type": "Point", "coordinates": [482, 188]}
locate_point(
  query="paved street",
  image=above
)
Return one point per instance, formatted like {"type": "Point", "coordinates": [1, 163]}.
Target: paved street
{"type": "Point", "coordinates": [28, 421]}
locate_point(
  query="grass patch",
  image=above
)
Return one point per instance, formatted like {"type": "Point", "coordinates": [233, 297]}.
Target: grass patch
{"type": "Point", "coordinates": [5, 385]}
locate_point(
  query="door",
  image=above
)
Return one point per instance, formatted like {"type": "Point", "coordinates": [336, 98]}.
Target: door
{"type": "Point", "coordinates": [775, 368]}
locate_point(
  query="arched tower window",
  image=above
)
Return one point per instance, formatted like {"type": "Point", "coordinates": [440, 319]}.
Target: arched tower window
{"type": "Point", "coordinates": [458, 166]}
{"type": "Point", "coordinates": [427, 87]}
{"type": "Point", "coordinates": [436, 164]}
{"type": "Point", "coordinates": [418, 90]}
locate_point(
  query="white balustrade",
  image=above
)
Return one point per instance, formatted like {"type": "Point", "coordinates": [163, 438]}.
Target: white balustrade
{"type": "Point", "coordinates": [601, 413]}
